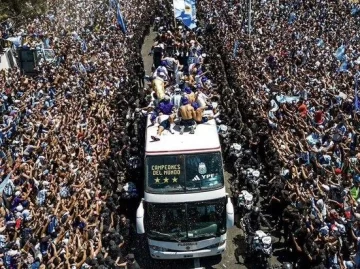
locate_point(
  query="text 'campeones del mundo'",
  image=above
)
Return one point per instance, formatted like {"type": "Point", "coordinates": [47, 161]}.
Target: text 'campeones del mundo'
{"type": "Point", "coordinates": [166, 170]}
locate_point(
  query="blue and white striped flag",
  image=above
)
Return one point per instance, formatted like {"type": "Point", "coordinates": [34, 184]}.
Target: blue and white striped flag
{"type": "Point", "coordinates": [112, 4]}
{"type": "Point", "coordinates": [344, 66]}
{"type": "Point", "coordinates": [340, 53]}
{"type": "Point", "coordinates": [320, 42]}
{"type": "Point", "coordinates": [356, 93]}
{"type": "Point", "coordinates": [120, 20]}
{"type": "Point", "coordinates": [83, 46]}
{"type": "Point", "coordinates": [292, 18]}
{"type": "Point", "coordinates": [355, 11]}
{"type": "Point", "coordinates": [236, 45]}
{"type": "Point", "coordinates": [81, 68]}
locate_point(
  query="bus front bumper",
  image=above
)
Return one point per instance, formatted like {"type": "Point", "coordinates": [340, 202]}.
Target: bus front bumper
{"type": "Point", "coordinates": [170, 254]}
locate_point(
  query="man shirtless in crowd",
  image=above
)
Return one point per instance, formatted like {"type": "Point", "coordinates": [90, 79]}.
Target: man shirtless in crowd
{"type": "Point", "coordinates": [187, 113]}
{"type": "Point", "coordinates": [199, 115]}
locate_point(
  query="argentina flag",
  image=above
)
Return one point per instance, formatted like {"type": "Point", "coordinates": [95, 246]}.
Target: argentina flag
{"type": "Point", "coordinates": [185, 10]}
{"type": "Point", "coordinates": [340, 53]}
{"type": "Point", "coordinates": [292, 18]}
{"type": "Point", "coordinates": [344, 67]}
{"type": "Point", "coordinates": [120, 20]}
{"type": "Point", "coordinates": [81, 68]}
{"type": "Point", "coordinates": [236, 45]}
{"type": "Point", "coordinates": [83, 46]}
{"type": "Point", "coordinates": [320, 42]}
{"type": "Point", "coordinates": [355, 11]}
{"type": "Point", "coordinates": [112, 4]}
{"type": "Point", "coordinates": [356, 103]}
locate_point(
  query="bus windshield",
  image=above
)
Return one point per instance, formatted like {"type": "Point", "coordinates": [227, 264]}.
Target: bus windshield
{"type": "Point", "coordinates": [184, 173]}
{"type": "Point", "coordinates": [186, 221]}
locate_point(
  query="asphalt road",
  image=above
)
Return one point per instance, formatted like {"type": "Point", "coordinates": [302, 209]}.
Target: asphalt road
{"type": "Point", "coordinates": [235, 240]}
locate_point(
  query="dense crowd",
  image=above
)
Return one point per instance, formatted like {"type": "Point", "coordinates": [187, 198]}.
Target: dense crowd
{"type": "Point", "coordinates": [295, 74]}
{"type": "Point", "coordinates": [69, 136]}
{"type": "Point", "coordinates": [65, 144]}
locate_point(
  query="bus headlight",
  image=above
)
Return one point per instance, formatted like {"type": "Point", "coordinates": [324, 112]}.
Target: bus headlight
{"type": "Point", "coordinates": [156, 248]}
{"type": "Point", "coordinates": [217, 244]}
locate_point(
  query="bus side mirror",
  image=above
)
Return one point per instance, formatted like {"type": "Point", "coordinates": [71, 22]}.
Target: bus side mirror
{"type": "Point", "coordinates": [229, 213]}
{"type": "Point", "coordinates": [140, 229]}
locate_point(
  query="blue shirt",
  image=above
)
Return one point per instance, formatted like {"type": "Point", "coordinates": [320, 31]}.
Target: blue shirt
{"type": "Point", "coordinates": [166, 107]}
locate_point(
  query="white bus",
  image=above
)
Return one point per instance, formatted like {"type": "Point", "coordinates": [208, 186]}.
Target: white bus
{"type": "Point", "coordinates": [185, 212]}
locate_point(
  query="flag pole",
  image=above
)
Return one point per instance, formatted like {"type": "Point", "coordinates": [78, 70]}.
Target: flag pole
{"type": "Point", "coordinates": [249, 19]}
{"type": "Point", "coordinates": [356, 93]}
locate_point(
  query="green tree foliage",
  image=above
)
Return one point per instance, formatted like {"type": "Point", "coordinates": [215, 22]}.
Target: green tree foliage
{"type": "Point", "coordinates": [21, 8]}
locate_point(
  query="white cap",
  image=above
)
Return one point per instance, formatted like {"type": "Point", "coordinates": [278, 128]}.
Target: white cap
{"type": "Point", "coordinates": [19, 208]}
{"type": "Point", "coordinates": [18, 215]}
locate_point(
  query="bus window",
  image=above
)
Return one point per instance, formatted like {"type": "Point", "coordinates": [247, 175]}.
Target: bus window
{"type": "Point", "coordinates": [165, 173]}
{"type": "Point", "coordinates": [204, 171]}
{"type": "Point", "coordinates": [206, 219]}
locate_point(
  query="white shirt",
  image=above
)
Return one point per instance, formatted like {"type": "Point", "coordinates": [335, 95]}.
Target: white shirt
{"type": "Point", "coordinates": [171, 63]}
{"type": "Point", "coordinates": [161, 72]}
{"type": "Point", "coordinates": [201, 99]}
{"type": "Point", "coordinates": [176, 100]}
{"type": "Point", "coordinates": [191, 66]}
{"type": "Point", "coordinates": [179, 74]}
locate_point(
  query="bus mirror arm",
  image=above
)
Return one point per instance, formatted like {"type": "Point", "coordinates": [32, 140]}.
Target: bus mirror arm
{"type": "Point", "coordinates": [229, 213]}
{"type": "Point", "coordinates": [140, 229]}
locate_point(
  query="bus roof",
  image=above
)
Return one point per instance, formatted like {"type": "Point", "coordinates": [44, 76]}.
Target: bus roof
{"type": "Point", "coordinates": [206, 138]}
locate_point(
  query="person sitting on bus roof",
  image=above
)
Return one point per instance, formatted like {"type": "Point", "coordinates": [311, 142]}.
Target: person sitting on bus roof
{"type": "Point", "coordinates": [199, 113]}
{"type": "Point", "coordinates": [176, 98]}
{"type": "Point", "coordinates": [162, 72]}
{"type": "Point", "coordinates": [165, 106]}
{"type": "Point", "coordinates": [201, 98]}
{"type": "Point", "coordinates": [194, 67]}
{"type": "Point", "coordinates": [187, 113]}
{"type": "Point", "coordinates": [189, 94]}
{"type": "Point", "coordinates": [172, 65]}
{"type": "Point", "coordinates": [189, 80]}
{"type": "Point", "coordinates": [179, 76]}
{"type": "Point", "coordinates": [166, 122]}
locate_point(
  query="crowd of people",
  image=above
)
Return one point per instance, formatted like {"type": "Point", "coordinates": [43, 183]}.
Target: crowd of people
{"type": "Point", "coordinates": [65, 141]}
{"type": "Point", "coordinates": [70, 143]}
{"type": "Point", "coordinates": [295, 74]}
